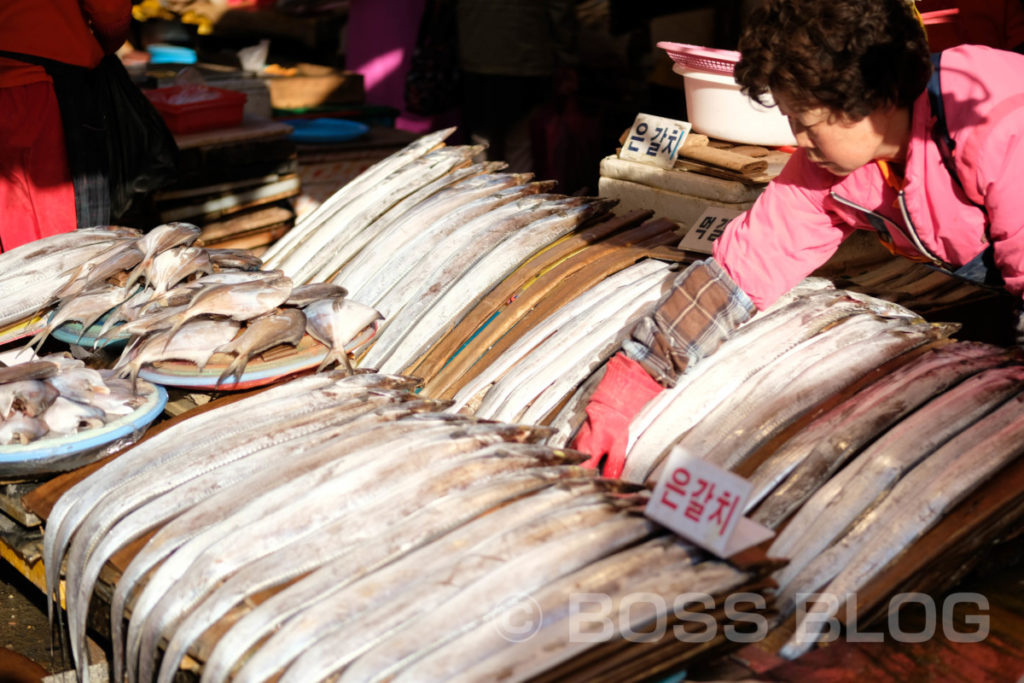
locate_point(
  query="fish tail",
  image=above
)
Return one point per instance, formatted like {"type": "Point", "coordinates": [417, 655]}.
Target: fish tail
{"type": "Point", "coordinates": [86, 324]}
{"type": "Point", "coordinates": [106, 328]}
{"type": "Point", "coordinates": [138, 270]}
{"type": "Point", "coordinates": [235, 368]}
{"type": "Point", "coordinates": [133, 374]}
{"type": "Point", "coordinates": [113, 317]}
{"type": "Point", "coordinates": [36, 342]}
{"type": "Point", "coordinates": [339, 356]}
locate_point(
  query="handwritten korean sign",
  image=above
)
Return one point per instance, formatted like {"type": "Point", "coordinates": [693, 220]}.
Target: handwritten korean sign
{"type": "Point", "coordinates": [704, 504]}
{"type": "Point", "coordinates": [654, 140]}
{"type": "Point", "coordinates": [706, 229]}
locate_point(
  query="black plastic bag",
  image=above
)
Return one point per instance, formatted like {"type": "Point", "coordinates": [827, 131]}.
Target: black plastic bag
{"type": "Point", "coordinates": [119, 148]}
{"type": "Point", "coordinates": [142, 155]}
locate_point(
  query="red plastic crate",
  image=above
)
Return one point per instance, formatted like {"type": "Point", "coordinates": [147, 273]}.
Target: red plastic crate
{"type": "Point", "coordinates": [222, 110]}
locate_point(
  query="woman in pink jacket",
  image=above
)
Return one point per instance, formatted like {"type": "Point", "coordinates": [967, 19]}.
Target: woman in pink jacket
{"type": "Point", "coordinates": [868, 121]}
{"type": "Point", "coordinates": [926, 151]}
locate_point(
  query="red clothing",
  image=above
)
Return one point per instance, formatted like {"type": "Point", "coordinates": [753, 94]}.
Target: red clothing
{"type": "Point", "coordinates": [36, 195]}
{"type": "Point", "coordinates": [60, 30]}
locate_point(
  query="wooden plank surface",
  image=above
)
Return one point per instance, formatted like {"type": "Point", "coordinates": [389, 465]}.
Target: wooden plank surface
{"type": "Point", "coordinates": [251, 129]}
{"type": "Point", "coordinates": [263, 237]}
{"type": "Point", "coordinates": [213, 207]}
{"type": "Point", "coordinates": [246, 223]}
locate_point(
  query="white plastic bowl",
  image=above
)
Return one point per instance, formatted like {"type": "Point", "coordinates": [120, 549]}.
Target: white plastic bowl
{"type": "Point", "coordinates": [714, 104]}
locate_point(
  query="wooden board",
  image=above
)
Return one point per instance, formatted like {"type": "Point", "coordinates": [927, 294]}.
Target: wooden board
{"type": "Point", "coordinates": [251, 129]}
{"type": "Point", "coordinates": [263, 237]}
{"type": "Point", "coordinates": [213, 208]}
{"type": "Point", "coordinates": [217, 188]}
{"type": "Point", "coordinates": [246, 223]}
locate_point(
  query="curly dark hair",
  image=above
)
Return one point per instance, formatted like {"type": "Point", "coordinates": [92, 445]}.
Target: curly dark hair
{"type": "Point", "coordinates": [851, 56]}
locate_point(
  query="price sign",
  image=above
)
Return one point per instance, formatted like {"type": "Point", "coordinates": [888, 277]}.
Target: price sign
{"type": "Point", "coordinates": [707, 229]}
{"type": "Point", "coordinates": [704, 504]}
{"type": "Point", "coordinates": [654, 140]}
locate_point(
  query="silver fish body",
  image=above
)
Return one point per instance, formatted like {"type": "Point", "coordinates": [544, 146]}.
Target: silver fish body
{"type": "Point", "coordinates": [286, 326]}
{"type": "Point", "coordinates": [335, 323]}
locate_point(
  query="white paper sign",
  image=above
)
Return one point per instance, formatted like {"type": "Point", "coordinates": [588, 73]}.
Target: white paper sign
{"type": "Point", "coordinates": [654, 140]}
{"type": "Point", "coordinates": [707, 229]}
{"type": "Point", "coordinates": [704, 504]}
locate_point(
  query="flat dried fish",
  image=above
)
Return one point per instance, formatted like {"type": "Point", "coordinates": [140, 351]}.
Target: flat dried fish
{"type": "Point", "coordinates": [281, 326]}
{"type": "Point", "coordinates": [335, 323]}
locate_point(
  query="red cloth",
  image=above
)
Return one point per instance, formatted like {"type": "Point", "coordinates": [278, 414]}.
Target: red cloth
{"type": "Point", "coordinates": [37, 198]}
{"type": "Point", "coordinates": [70, 31]}
{"type": "Point", "coordinates": [622, 392]}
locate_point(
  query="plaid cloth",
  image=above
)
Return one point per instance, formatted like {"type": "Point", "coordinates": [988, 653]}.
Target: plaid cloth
{"type": "Point", "coordinates": [690, 322]}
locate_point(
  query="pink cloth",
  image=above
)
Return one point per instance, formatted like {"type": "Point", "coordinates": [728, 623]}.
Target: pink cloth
{"type": "Point", "coordinates": [622, 392]}
{"type": "Point", "coordinates": [380, 39]}
{"type": "Point", "coordinates": [797, 224]}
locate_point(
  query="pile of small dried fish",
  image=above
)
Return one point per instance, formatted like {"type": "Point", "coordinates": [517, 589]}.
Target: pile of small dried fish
{"type": "Point", "coordinates": [33, 275]}
{"type": "Point", "coordinates": [345, 526]}
{"type": "Point", "coordinates": [177, 301]}
{"type": "Point", "coordinates": [860, 427]}
{"type": "Point", "coordinates": [56, 396]}
{"type": "Point", "coordinates": [239, 315]}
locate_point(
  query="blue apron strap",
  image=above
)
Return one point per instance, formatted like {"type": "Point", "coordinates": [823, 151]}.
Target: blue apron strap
{"type": "Point", "coordinates": [879, 225]}
{"type": "Point", "coordinates": [940, 131]}
{"type": "Point", "coordinates": [981, 270]}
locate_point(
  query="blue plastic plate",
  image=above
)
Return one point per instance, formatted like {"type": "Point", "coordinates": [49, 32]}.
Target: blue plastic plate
{"type": "Point", "coordinates": [71, 333]}
{"type": "Point", "coordinates": [326, 130]}
{"type": "Point", "coordinates": [170, 54]}
{"type": "Point", "coordinates": [60, 454]}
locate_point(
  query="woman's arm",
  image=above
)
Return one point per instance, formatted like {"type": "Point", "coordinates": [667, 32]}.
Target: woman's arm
{"type": "Point", "coordinates": [785, 236]}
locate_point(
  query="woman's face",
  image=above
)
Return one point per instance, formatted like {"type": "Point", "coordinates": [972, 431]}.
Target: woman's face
{"type": "Point", "coordinates": [833, 141]}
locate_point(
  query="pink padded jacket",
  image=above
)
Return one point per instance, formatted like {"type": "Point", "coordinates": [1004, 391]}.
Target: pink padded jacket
{"type": "Point", "coordinates": [803, 215]}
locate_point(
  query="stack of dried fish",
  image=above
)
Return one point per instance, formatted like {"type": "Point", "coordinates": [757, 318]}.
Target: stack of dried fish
{"type": "Point", "coordinates": [183, 302]}
{"type": "Point", "coordinates": [860, 428]}
{"type": "Point", "coordinates": [428, 238]}
{"type": "Point", "coordinates": [56, 396]}
{"type": "Point", "coordinates": [346, 526]}
{"type": "Point", "coordinates": [538, 288]}
{"type": "Point", "coordinates": [240, 315]}
{"type": "Point", "coordinates": [531, 379]}
{"type": "Point", "coordinates": [32, 275]}
{"type": "Point", "coordinates": [958, 421]}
